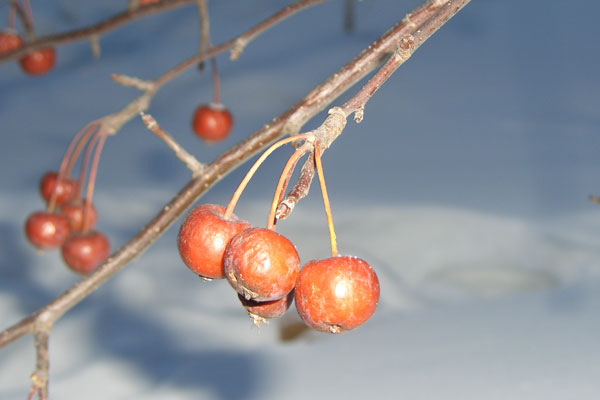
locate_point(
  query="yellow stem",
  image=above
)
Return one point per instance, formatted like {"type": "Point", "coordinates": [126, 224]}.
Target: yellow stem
{"type": "Point", "coordinates": [334, 251]}
{"type": "Point", "coordinates": [284, 179]}
{"type": "Point", "coordinates": [252, 170]}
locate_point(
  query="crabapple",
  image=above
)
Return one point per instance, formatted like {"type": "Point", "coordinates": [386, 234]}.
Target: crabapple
{"type": "Point", "coordinates": [203, 237]}
{"type": "Point", "coordinates": [336, 294]}
{"type": "Point", "coordinates": [212, 122]}
{"type": "Point", "coordinates": [74, 210]}
{"type": "Point", "coordinates": [9, 42]}
{"type": "Point", "coordinates": [261, 264]}
{"type": "Point", "coordinates": [47, 230]}
{"type": "Point", "coordinates": [83, 252]}
{"type": "Point", "coordinates": [38, 62]}
{"type": "Point", "coordinates": [64, 191]}
{"type": "Point", "coordinates": [259, 311]}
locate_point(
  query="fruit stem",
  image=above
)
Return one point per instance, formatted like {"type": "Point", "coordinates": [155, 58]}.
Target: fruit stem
{"type": "Point", "coordinates": [100, 137]}
{"type": "Point", "coordinates": [216, 81]}
{"type": "Point", "coordinates": [334, 251]}
{"type": "Point", "coordinates": [238, 192]}
{"type": "Point", "coordinates": [284, 180]}
{"type": "Point", "coordinates": [64, 169]}
{"type": "Point", "coordinates": [29, 17]}
{"type": "Point", "coordinates": [12, 17]}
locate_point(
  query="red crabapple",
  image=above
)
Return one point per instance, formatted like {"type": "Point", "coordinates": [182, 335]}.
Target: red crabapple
{"type": "Point", "coordinates": [261, 264]}
{"type": "Point", "coordinates": [38, 62]}
{"type": "Point", "coordinates": [203, 237]}
{"type": "Point", "coordinates": [336, 294]}
{"type": "Point", "coordinates": [9, 42]}
{"type": "Point", "coordinates": [83, 252]}
{"type": "Point", "coordinates": [65, 190]}
{"type": "Point", "coordinates": [212, 122]}
{"type": "Point", "coordinates": [47, 230]}
{"type": "Point", "coordinates": [74, 210]}
{"type": "Point", "coordinates": [260, 311]}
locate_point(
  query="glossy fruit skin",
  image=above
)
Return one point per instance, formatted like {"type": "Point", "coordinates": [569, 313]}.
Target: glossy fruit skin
{"type": "Point", "coordinates": [9, 42]}
{"type": "Point", "coordinates": [83, 252]}
{"type": "Point", "coordinates": [267, 309]}
{"type": "Point", "coordinates": [336, 294]}
{"type": "Point", "coordinates": [47, 230]}
{"type": "Point", "coordinates": [261, 264]}
{"type": "Point", "coordinates": [65, 191]}
{"type": "Point", "coordinates": [38, 62]}
{"type": "Point", "coordinates": [212, 122]}
{"type": "Point", "coordinates": [74, 210]}
{"type": "Point", "coordinates": [203, 237]}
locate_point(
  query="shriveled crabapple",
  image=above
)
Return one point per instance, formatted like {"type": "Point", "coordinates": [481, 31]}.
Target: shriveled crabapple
{"type": "Point", "coordinates": [261, 264]}
{"type": "Point", "coordinates": [83, 252]}
{"type": "Point", "coordinates": [47, 230]}
{"type": "Point", "coordinates": [260, 311]}
{"type": "Point", "coordinates": [75, 211]}
{"type": "Point", "coordinates": [9, 41]}
{"type": "Point", "coordinates": [212, 122]}
{"type": "Point", "coordinates": [336, 294]}
{"type": "Point", "coordinates": [38, 62]}
{"type": "Point", "coordinates": [203, 237]}
{"type": "Point", "coordinates": [65, 190]}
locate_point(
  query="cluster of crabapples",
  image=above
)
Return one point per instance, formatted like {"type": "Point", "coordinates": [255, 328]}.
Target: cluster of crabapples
{"type": "Point", "coordinates": [334, 294]}
{"type": "Point", "coordinates": [35, 62]}
{"type": "Point", "coordinates": [69, 219]}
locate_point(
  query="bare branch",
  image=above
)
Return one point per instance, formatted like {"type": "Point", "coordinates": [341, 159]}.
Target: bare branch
{"type": "Point", "coordinates": [189, 160]}
{"type": "Point", "coordinates": [98, 29]}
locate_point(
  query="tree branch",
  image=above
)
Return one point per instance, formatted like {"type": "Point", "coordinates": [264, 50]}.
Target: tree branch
{"type": "Point", "coordinates": [102, 27]}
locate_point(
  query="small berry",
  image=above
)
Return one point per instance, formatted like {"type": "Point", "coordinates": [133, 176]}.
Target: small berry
{"type": "Point", "coordinates": [65, 190]}
{"type": "Point", "coordinates": [212, 122]}
{"type": "Point", "coordinates": [9, 42]}
{"type": "Point", "coordinates": [336, 294]}
{"type": "Point", "coordinates": [74, 210]}
{"type": "Point", "coordinates": [261, 264]}
{"type": "Point", "coordinates": [47, 230]}
{"type": "Point", "coordinates": [203, 237]}
{"type": "Point", "coordinates": [38, 62]}
{"type": "Point", "coordinates": [260, 311]}
{"type": "Point", "coordinates": [83, 252]}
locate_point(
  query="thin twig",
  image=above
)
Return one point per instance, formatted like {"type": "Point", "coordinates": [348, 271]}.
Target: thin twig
{"type": "Point", "coordinates": [98, 29]}
{"type": "Point", "coordinates": [186, 158]}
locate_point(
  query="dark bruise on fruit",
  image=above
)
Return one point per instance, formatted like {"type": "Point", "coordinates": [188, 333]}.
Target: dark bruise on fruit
{"type": "Point", "coordinates": [260, 311]}
{"type": "Point", "coordinates": [203, 237]}
{"type": "Point", "coordinates": [64, 191]}
{"type": "Point", "coordinates": [336, 294]}
{"type": "Point", "coordinates": [47, 230]}
{"type": "Point", "coordinates": [84, 252]}
{"type": "Point", "coordinates": [261, 264]}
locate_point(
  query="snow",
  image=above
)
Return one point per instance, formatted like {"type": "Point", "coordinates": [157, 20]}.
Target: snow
{"type": "Point", "coordinates": [465, 187]}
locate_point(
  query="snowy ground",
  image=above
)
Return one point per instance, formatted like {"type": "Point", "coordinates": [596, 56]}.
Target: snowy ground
{"type": "Point", "coordinates": [465, 187]}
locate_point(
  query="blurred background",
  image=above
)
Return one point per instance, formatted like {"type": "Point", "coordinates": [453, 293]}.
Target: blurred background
{"type": "Point", "coordinates": [466, 187]}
